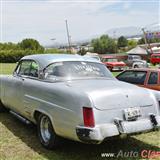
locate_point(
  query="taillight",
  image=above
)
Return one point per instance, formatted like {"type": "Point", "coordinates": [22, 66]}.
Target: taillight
{"type": "Point", "coordinates": [88, 117]}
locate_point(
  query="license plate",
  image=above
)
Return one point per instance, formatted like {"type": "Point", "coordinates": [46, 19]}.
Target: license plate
{"type": "Point", "coordinates": [132, 113]}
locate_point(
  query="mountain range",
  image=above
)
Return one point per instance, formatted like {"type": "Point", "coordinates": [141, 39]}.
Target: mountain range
{"type": "Point", "coordinates": [124, 31]}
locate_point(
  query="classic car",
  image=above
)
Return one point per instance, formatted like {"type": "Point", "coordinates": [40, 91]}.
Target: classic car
{"type": "Point", "coordinates": [155, 58]}
{"type": "Point", "coordinates": [77, 98]}
{"type": "Point", "coordinates": [112, 63]}
{"type": "Point", "coordinates": [148, 78]}
{"type": "Point", "coordinates": [135, 61]}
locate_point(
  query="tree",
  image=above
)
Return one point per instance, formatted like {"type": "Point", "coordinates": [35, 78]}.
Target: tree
{"type": "Point", "coordinates": [104, 44]}
{"type": "Point", "coordinates": [141, 41]}
{"type": "Point", "coordinates": [31, 44]}
{"type": "Point", "coordinates": [82, 51]}
{"type": "Point", "coordinates": [132, 44]}
{"type": "Point", "coordinates": [8, 46]}
{"type": "Point", "coordinates": [122, 42]}
{"type": "Point", "coordinates": [153, 40]}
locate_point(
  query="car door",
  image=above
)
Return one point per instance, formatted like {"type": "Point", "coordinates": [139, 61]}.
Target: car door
{"type": "Point", "coordinates": [30, 90]}
{"type": "Point", "coordinates": [20, 74]}
{"type": "Point", "coordinates": [153, 81]}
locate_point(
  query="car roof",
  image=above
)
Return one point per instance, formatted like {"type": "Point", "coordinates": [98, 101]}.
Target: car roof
{"type": "Point", "coordinates": [45, 59]}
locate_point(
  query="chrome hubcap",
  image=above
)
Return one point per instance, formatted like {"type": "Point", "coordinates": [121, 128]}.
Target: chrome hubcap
{"type": "Point", "coordinates": [44, 128]}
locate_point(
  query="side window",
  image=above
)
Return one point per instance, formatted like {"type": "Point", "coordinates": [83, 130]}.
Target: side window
{"type": "Point", "coordinates": [24, 68]}
{"type": "Point", "coordinates": [28, 68]}
{"type": "Point", "coordinates": [34, 69]}
{"type": "Point", "coordinates": [153, 78]}
{"type": "Point", "coordinates": [135, 77]}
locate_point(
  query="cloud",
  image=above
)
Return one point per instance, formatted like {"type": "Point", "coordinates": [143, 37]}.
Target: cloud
{"type": "Point", "coordinates": [44, 20]}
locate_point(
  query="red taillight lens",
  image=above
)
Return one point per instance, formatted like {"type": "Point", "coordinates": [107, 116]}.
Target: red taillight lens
{"type": "Point", "coordinates": [88, 117]}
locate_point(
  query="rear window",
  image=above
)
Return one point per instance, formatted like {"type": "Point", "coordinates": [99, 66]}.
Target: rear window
{"type": "Point", "coordinates": [135, 77]}
{"type": "Point", "coordinates": [70, 70]}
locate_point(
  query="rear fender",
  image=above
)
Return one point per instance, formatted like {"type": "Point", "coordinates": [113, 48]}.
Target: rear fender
{"type": "Point", "coordinates": [42, 111]}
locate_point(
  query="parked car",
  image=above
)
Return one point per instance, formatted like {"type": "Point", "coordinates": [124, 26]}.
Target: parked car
{"type": "Point", "coordinates": [155, 59]}
{"type": "Point", "coordinates": [112, 63]}
{"type": "Point", "coordinates": [77, 98]}
{"type": "Point", "coordinates": [148, 78]}
{"type": "Point", "coordinates": [93, 55]}
{"type": "Point", "coordinates": [135, 61]}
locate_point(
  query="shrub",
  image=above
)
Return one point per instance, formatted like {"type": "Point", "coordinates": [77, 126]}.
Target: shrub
{"type": "Point", "coordinates": [12, 56]}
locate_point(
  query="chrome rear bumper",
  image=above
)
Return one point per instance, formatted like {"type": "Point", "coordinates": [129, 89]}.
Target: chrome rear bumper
{"type": "Point", "coordinates": [100, 132]}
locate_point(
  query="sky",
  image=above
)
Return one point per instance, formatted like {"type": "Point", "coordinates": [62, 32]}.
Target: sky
{"type": "Point", "coordinates": [45, 19]}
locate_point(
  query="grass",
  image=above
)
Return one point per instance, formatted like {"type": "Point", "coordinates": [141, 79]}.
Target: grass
{"type": "Point", "coordinates": [7, 68]}
{"type": "Point", "coordinates": [19, 141]}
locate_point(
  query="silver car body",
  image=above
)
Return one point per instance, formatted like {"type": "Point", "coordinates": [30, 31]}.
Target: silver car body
{"type": "Point", "coordinates": [62, 102]}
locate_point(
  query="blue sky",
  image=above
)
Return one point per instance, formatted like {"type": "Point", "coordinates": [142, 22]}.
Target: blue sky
{"type": "Point", "coordinates": [45, 19]}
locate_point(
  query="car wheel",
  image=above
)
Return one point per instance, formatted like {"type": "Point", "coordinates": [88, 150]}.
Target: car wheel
{"type": "Point", "coordinates": [46, 133]}
{"type": "Point", "coordinates": [136, 66]}
{"type": "Point", "coordinates": [154, 64]}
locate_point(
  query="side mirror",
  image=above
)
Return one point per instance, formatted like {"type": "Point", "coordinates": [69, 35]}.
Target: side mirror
{"type": "Point", "coordinates": [14, 73]}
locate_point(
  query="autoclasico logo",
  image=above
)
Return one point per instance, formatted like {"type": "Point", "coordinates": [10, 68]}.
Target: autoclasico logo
{"type": "Point", "coordinates": [149, 154]}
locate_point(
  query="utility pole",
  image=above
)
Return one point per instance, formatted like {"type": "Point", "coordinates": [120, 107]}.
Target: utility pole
{"type": "Point", "coordinates": [114, 34]}
{"type": "Point", "coordinates": [145, 40]}
{"type": "Point", "coordinates": [68, 36]}
{"type": "Point", "coordinates": [144, 33]}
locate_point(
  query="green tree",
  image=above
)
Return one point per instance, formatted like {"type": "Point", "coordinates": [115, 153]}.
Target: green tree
{"type": "Point", "coordinates": [153, 40]}
{"type": "Point", "coordinates": [104, 44]}
{"type": "Point", "coordinates": [132, 44]}
{"type": "Point", "coordinates": [30, 44]}
{"type": "Point", "coordinates": [122, 42]}
{"type": "Point", "coordinates": [9, 46]}
{"type": "Point", "coordinates": [82, 51]}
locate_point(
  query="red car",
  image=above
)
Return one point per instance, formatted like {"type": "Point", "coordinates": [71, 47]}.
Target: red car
{"type": "Point", "coordinates": [148, 78]}
{"type": "Point", "coordinates": [112, 63]}
{"type": "Point", "coordinates": [155, 58]}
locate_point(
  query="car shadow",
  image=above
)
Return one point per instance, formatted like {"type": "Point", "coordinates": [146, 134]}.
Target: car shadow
{"type": "Point", "coordinates": [70, 149]}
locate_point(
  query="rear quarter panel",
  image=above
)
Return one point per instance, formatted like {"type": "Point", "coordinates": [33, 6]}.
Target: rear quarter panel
{"type": "Point", "coordinates": [57, 100]}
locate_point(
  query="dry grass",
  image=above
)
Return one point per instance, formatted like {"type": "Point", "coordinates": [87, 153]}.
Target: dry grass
{"type": "Point", "coordinates": [7, 68]}
{"type": "Point", "coordinates": [19, 142]}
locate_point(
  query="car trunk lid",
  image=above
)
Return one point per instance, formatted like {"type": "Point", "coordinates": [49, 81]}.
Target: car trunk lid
{"type": "Point", "coordinates": [113, 94]}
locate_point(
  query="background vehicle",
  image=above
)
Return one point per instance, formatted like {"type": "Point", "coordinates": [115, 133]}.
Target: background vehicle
{"type": "Point", "coordinates": [77, 98]}
{"type": "Point", "coordinates": [113, 63]}
{"type": "Point", "coordinates": [135, 61]}
{"type": "Point", "coordinates": [148, 78]}
{"type": "Point", "coordinates": [93, 55]}
{"type": "Point", "coordinates": [155, 59]}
